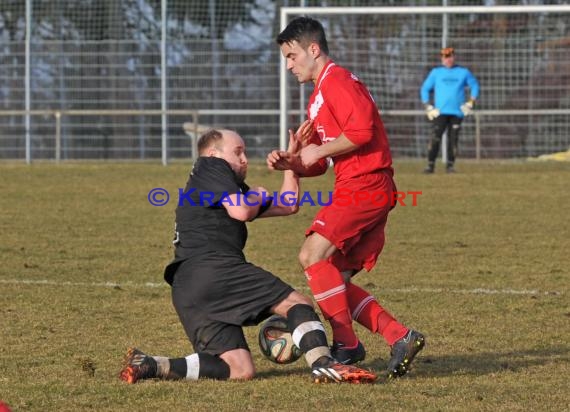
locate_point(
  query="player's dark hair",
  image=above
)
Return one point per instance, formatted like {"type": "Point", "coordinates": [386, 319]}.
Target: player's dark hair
{"type": "Point", "coordinates": [304, 30]}
{"type": "Point", "coordinates": [211, 138]}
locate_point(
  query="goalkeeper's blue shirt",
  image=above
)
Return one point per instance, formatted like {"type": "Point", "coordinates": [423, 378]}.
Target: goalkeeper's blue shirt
{"type": "Point", "coordinates": [448, 86]}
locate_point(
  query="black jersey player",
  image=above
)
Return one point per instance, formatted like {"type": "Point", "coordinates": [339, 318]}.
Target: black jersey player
{"type": "Point", "coordinates": [216, 291]}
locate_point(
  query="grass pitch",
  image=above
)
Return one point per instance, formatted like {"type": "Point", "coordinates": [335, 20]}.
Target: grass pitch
{"type": "Point", "coordinates": [480, 266]}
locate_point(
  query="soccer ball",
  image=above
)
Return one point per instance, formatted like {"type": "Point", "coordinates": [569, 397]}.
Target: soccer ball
{"type": "Point", "coordinates": [276, 341]}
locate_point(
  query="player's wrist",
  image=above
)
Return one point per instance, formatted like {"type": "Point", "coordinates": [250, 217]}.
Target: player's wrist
{"type": "Point", "coordinates": [291, 174]}
{"type": "Point", "coordinates": [322, 152]}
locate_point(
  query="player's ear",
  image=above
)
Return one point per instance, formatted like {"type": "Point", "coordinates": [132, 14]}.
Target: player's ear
{"type": "Point", "coordinates": [314, 50]}
{"type": "Point", "coordinates": [212, 151]}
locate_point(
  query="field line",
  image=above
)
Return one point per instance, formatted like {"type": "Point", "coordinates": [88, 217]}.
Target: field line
{"type": "Point", "coordinates": [118, 285]}
{"type": "Point", "coordinates": [45, 282]}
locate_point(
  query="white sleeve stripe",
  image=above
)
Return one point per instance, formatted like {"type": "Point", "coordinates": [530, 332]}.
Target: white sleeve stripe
{"type": "Point", "coordinates": [306, 327]}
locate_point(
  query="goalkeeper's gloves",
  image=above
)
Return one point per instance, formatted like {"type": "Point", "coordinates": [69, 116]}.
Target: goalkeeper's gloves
{"type": "Point", "coordinates": [467, 107]}
{"type": "Point", "coordinates": [431, 112]}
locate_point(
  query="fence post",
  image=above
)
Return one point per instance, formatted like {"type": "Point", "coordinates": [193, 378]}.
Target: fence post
{"type": "Point", "coordinates": [163, 83]}
{"type": "Point", "coordinates": [57, 136]}
{"type": "Point", "coordinates": [27, 80]}
{"type": "Point", "coordinates": [477, 137]}
{"type": "Point", "coordinates": [194, 136]}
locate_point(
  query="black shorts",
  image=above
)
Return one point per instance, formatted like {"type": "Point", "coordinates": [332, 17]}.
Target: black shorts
{"type": "Point", "coordinates": [215, 296]}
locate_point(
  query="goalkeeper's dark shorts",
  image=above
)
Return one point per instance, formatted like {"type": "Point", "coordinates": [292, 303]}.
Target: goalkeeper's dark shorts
{"type": "Point", "coordinates": [214, 297]}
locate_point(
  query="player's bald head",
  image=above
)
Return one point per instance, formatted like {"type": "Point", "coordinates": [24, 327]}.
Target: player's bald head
{"type": "Point", "coordinates": [217, 139]}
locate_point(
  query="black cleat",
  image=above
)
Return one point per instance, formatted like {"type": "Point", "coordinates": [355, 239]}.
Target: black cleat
{"type": "Point", "coordinates": [348, 356]}
{"type": "Point", "coordinates": [428, 170]}
{"type": "Point", "coordinates": [450, 169]}
{"type": "Point", "coordinates": [403, 353]}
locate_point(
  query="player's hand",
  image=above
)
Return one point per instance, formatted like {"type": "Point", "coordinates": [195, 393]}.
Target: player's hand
{"type": "Point", "coordinates": [282, 160]}
{"type": "Point", "coordinates": [295, 141]}
{"type": "Point", "coordinates": [288, 160]}
{"type": "Point", "coordinates": [304, 132]}
{"type": "Point", "coordinates": [467, 108]}
{"type": "Point", "coordinates": [431, 112]}
{"type": "Point", "coordinates": [310, 155]}
{"type": "Point", "coordinates": [275, 160]}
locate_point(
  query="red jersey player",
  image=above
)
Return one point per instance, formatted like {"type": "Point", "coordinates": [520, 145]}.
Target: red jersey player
{"type": "Point", "coordinates": [347, 235]}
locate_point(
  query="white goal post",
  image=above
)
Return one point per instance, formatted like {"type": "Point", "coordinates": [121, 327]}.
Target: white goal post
{"type": "Point", "coordinates": [518, 51]}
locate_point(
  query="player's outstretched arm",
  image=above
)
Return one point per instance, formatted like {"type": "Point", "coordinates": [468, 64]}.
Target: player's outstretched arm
{"type": "Point", "coordinates": [286, 201]}
{"type": "Point", "coordinates": [259, 202]}
{"type": "Point", "coordinates": [247, 206]}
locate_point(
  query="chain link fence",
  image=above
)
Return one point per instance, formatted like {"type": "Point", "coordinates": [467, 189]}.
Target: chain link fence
{"type": "Point", "coordinates": [118, 79]}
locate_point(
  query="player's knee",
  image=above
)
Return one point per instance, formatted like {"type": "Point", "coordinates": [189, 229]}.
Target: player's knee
{"type": "Point", "coordinates": [298, 298]}
{"type": "Point", "coordinates": [306, 258]}
{"type": "Point", "coordinates": [294, 298]}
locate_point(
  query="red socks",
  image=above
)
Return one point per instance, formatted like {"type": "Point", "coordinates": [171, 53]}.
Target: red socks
{"type": "Point", "coordinates": [340, 303]}
{"type": "Point", "coordinates": [367, 312]}
{"type": "Point", "coordinates": [329, 290]}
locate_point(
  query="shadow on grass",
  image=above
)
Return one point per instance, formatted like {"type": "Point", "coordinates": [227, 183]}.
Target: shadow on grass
{"type": "Point", "coordinates": [482, 363]}
{"type": "Point", "coordinates": [461, 364]}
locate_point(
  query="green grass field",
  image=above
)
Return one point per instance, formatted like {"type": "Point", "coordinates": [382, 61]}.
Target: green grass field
{"type": "Point", "coordinates": [481, 266]}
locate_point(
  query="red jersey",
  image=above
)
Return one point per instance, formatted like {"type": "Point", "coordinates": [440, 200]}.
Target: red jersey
{"type": "Point", "coordinates": [341, 104]}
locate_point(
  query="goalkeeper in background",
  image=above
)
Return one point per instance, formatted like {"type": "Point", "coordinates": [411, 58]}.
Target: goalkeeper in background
{"type": "Point", "coordinates": [448, 83]}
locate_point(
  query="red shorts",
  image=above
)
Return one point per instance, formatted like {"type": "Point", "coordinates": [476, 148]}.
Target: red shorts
{"type": "Point", "coordinates": [355, 220]}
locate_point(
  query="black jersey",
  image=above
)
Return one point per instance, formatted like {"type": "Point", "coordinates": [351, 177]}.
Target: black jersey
{"type": "Point", "coordinates": [203, 225]}
{"type": "Point", "coordinates": [215, 291]}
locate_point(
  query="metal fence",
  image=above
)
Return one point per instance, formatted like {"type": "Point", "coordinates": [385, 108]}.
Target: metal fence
{"type": "Point", "coordinates": [487, 134]}
{"type": "Point", "coordinates": [118, 79]}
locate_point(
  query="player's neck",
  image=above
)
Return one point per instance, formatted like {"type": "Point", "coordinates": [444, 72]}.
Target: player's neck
{"type": "Point", "coordinates": [322, 62]}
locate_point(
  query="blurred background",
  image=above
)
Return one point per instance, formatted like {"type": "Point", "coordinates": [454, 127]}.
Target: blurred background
{"type": "Point", "coordinates": [135, 79]}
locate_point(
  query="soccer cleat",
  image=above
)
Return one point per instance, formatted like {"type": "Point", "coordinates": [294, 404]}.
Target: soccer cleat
{"type": "Point", "coordinates": [450, 169]}
{"type": "Point", "coordinates": [428, 170]}
{"type": "Point", "coordinates": [348, 356]}
{"type": "Point", "coordinates": [339, 373]}
{"type": "Point", "coordinates": [403, 353]}
{"type": "Point", "coordinates": [137, 366]}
